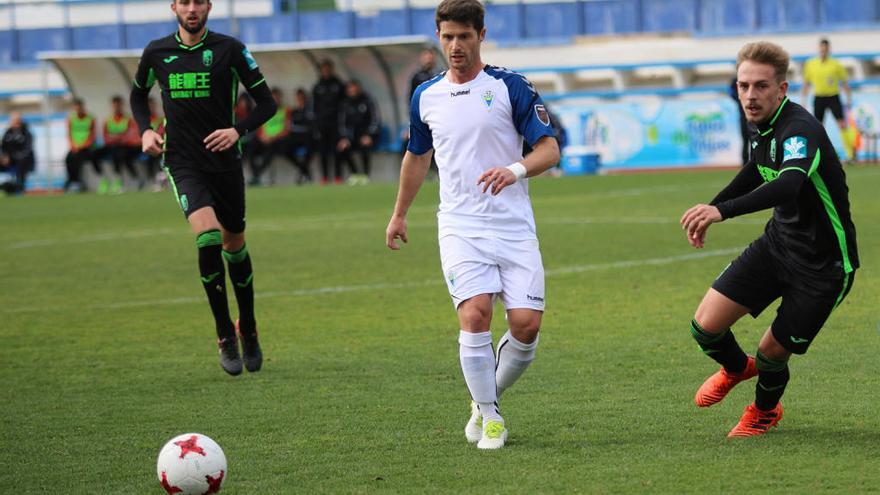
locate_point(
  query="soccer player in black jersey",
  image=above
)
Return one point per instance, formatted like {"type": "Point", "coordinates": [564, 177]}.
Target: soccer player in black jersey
{"type": "Point", "coordinates": [199, 73]}
{"type": "Point", "coordinates": [807, 254]}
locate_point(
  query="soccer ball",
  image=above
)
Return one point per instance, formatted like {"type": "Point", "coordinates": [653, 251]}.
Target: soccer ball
{"type": "Point", "coordinates": [191, 464]}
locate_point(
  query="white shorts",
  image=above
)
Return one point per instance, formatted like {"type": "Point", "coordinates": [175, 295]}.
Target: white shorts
{"type": "Point", "coordinates": [481, 265]}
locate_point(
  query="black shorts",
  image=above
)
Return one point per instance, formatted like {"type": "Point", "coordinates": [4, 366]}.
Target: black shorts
{"type": "Point", "coordinates": [822, 103]}
{"type": "Point", "coordinates": [758, 277]}
{"type": "Point", "coordinates": [223, 191]}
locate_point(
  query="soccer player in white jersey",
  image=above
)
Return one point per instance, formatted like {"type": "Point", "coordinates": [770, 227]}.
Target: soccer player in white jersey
{"type": "Point", "coordinates": [474, 117]}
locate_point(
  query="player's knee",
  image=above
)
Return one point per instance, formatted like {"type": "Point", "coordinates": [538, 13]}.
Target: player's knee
{"type": "Point", "coordinates": [474, 316]}
{"type": "Point", "coordinates": [232, 242]}
{"type": "Point", "coordinates": [526, 334]}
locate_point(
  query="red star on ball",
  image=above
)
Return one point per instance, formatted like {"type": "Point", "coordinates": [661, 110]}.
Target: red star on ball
{"type": "Point", "coordinates": [214, 483]}
{"type": "Point", "coordinates": [189, 445]}
{"type": "Point", "coordinates": [171, 489]}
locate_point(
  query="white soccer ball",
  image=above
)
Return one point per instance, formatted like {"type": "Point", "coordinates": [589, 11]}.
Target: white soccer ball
{"type": "Point", "coordinates": [191, 464]}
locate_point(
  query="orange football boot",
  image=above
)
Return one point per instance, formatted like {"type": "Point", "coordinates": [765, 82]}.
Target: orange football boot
{"type": "Point", "coordinates": [717, 386]}
{"type": "Point", "coordinates": [755, 421]}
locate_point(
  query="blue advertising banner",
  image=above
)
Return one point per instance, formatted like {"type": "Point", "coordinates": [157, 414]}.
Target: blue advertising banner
{"type": "Point", "coordinates": [663, 133]}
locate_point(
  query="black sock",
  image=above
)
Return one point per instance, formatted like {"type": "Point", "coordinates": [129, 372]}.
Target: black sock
{"type": "Point", "coordinates": [772, 379]}
{"type": "Point", "coordinates": [214, 280]}
{"type": "Point", "coordinates": [242, 276]}
{"type": "Point", "coordinates": [721, 347]}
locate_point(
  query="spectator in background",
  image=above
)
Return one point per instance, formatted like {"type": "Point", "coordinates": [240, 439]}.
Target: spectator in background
{"type": "Point", "coordinates": [17, 152]}
{"type": "Point", "coordinates": [326, 98]}
{"type": "Point", "coordinates": [273, 137]}
{"type": "Point", "coordinates": [427, 70]}
{"type": "Point", "coordinates": [81, 136]}
{"type": "Point", "coordinates": [121, 145]}
{"type": "Point", "coordinates": [302, 134]}
{"type": "Point", "coordinates": [249, 145]}
{"type": "Point", "coordinates": [743, 123]}
{"type": "Point", "coordinates": [827, 76]}
{"type": "Point", "coordinates": [151, 162]}
{"type": "Point", "coordinates": [358, 131]}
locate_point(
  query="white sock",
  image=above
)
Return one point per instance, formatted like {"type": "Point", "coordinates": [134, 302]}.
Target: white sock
{"type": "Point", "coordinates": [478, 366]}
{"type": "Point", "coordinates": [513, 359]}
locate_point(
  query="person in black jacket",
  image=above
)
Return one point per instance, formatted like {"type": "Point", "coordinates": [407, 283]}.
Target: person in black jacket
{"type": "Point", "coordinates": [17, 152]}
{"type": "Point", "coordinates": [358, 131]}
{"type": "Point", "coordinates": [302, 135]}
{"type": "Point", "coordinates": [326, 98]}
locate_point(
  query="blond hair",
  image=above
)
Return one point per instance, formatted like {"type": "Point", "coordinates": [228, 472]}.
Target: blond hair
{"type": "Point", "coordinates": [767, 53]}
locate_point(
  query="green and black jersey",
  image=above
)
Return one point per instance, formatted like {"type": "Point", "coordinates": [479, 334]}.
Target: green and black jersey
{"type": "Point", "coordinates": [199, 86]}
{"type": "Point", "coordinates": [794, 169]}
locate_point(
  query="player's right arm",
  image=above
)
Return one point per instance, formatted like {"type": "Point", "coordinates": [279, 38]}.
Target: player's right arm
{"type": "Point", "coordinates": [151, 141]}
{"type": "Point", "coordinates": [412, 174]}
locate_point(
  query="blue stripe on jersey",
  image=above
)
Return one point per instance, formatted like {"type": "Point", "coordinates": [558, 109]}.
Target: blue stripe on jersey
{"type": "Point", "coordinates": [420, 139]}
{"type": "Point", "coordinates": [527, 107]}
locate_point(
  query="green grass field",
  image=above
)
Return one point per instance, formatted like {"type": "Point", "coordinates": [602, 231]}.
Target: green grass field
{"type": "Point", "coordinates": [108, 350]}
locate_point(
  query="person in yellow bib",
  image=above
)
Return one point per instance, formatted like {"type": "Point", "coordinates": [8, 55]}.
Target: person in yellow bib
{"type": "Point", "coordinates": [120, 146]}
{"type": "Point", "coordinates": [827, 75]}
{"type": "Point", "coordinates": [81, 136]}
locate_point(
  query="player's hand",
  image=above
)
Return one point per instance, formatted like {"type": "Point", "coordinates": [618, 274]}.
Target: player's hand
{"type": "Point", "coordinates": [366, 141]}
{"type": "Point", "coordinates": [396, 230]}
{"type": "Point", "coordinates": [497, 178]}
{"type": "Point", "coordinates": [221, 139]}
{"type": "Point", "coordinates": [151, 143]}
{"type": "Point", "coordinates": [696, 222]}
{"type": "Point", "coordinates": [343, 144]}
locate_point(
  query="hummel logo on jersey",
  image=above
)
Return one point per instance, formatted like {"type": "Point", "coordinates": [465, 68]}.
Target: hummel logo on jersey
{"type": "Point", "coordinates": [170, 59]}
{"type": "Point", "coordinates": [795, 147]}
{"type": "Point", "coordinates": [462, 92]}
{"type": "Point", "coordinates": [535, 298]}
{"type": "Point", "coordinates": [754, 144]}
{"type": "Point", "coordinates": [799, 341]}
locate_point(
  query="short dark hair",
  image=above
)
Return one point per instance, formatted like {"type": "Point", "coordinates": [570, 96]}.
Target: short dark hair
{"type": "Point", "coordinates": [467, 12]}
{"type": "Point", "coordinates": [77, 101]}
{"type": "Point", "coordinates": [824, 41]}
{"type": "Point", "coordinates": [766, 53]}
{"type": "Point", "coordinates": [326, 63]}
{"type": "Point", "coordinates": [117, 99]}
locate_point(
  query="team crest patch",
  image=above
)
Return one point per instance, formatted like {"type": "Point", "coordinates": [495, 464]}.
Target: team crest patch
{"type": "Point", "coordinates": [207, 58]}
{"type": "Point", "coordinates": [184, 203]}
{"type": "Point", "coordinates": [542, 114]}
{"type": "Point", "coordinates": [489, 97]}
{"type": "Point", "coordinates": [794, 148]}
{"type": "Point", "coordinates": [252, 63]}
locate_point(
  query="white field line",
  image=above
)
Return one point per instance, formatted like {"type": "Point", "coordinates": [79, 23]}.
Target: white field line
{"type": "Point", "coordinates": [385, 286]}
{"type": "Point", "coordinates": [348, 220]}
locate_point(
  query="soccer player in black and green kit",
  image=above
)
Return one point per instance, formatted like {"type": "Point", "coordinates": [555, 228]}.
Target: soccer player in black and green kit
{"type": "Point", "coordinates": [199, 73]}
{"type": "Point", "coordinates": [807, 254]}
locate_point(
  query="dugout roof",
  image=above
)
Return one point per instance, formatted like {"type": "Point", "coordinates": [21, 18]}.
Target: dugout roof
{"type": "Point", "coordinates": [383, 66]}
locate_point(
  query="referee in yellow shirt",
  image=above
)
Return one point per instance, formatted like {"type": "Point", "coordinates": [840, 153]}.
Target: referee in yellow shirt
{"type": "Point", "coordinates": [827, 75]}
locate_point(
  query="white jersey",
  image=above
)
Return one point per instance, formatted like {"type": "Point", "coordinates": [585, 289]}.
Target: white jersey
{"type": "Point", "coordinates": [473, 127]}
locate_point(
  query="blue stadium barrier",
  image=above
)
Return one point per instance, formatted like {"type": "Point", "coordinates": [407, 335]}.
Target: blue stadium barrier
{"type": "Point", "coordinates": [845, 12]}
{"type": "Point", "coordinates": [138, 35]}
{"type": "Point", "coordinates": [504, 21]}
{"type": "Point", "coordinates": [612, 17]}
{"type": "Point", "coordinates": [383, 23]}
{"type": "Point", "coordinates": [106, 37]}
{"type": "Point", "coordinates": [32, 41]}
{"type": "Point", "coordinates": [552, 20]}
{"type": "Point", "coordinates": [327, 25]}
{"type": "Point", "coordinates": [507, 23]}
{"type": "Point", "coordinates": [782, 15]}
{"type": "Point", "coordinates": [728, 17]}
{"type": "Point", "coordinates": [669, 15]}
{"type": "Point", "coordinates": [8, 53]}
{"type": "Point", "coordinates": [277, 29]}
{"type": "Point", "coordinates": [423, 21]}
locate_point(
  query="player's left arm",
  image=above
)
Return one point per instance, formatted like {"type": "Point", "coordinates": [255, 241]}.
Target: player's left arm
{"type": "Point", "coordinates": [532, 120]}
{"type": "Point", "coordinates": [244, 64]}
{"type": "Point", "coordinates": [800, 160]}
